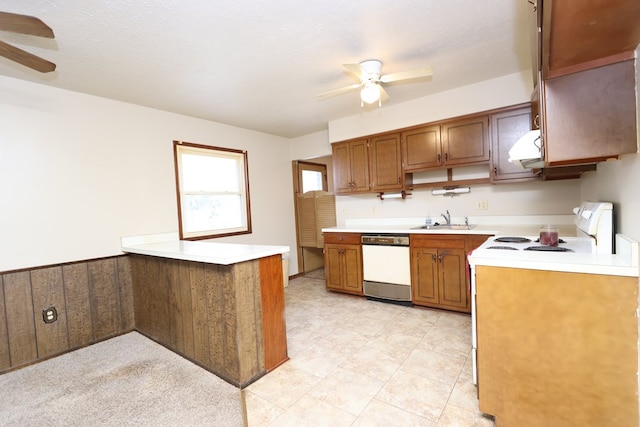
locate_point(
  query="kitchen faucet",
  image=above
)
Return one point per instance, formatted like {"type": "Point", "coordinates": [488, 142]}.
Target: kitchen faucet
{"type": "Point", "coordinates": [447, 217]}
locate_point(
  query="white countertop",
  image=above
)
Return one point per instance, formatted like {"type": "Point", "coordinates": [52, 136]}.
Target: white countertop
{"type": "Point", "coordinates": [623, 263]}
{"type": "Point", "coordinates": [168, 246]}
{"type": "Point", "coordinates": [489, 225]}
{"type": "Point", "coordinates": [606, 264]}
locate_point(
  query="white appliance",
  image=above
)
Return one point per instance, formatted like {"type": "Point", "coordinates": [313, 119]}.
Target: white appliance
{"type": "Point", "coordinates": [386, 267]}
{"type": "Point", "coordinates": [594, 230]}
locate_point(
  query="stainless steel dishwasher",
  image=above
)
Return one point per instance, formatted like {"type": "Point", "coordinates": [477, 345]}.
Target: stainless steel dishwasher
{"type": "Point", "coordinates": [386, 267]}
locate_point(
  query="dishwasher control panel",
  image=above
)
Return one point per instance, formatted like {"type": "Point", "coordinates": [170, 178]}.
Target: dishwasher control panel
{"type": "Point", "coordinates": [386, 239]}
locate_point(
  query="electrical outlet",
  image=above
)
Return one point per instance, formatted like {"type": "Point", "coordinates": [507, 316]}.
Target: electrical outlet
{"type": "Point", "coordinates": [482, 205]}
{"type": "Point", "coordinates": [49, 315]}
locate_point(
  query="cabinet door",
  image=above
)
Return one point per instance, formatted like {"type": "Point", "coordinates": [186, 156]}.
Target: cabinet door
{"type": "Point", "coordinates": [332, 265]}
{"type": "Point", "coordinates": [424, 275]}
{"type": "Point", "coordinates": [341, 166]}
{"type": "Point", "coordinates": [452, 278]}
{"type": "Point", "coordinates": [352, 261]}
{"type": "Point", "coordinates": [590, 116]}
{"type": "Point", "coordinates": [421, 148]}
{"type": "Point", "coordinates": [466, 141]}
{"type": "Point", "coordinates": [506, 128]}
{"type": "Point", "coordinates": [359, 165]}
{"type": "Point", "coordinates": [385, 163]}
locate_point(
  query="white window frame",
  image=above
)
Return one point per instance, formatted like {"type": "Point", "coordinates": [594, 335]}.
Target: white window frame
{"type": "Point", "coordinates": [180, 148]}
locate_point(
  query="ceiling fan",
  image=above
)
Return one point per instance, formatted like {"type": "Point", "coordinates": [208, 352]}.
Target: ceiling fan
{"type": "Point", "coordinates": [371, 81]}
{"type": "Point", "coordinates": [32, 26]}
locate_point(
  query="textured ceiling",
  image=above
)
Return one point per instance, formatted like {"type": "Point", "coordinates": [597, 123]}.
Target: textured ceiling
{"type": "Point", "coordinates": [258, 64]}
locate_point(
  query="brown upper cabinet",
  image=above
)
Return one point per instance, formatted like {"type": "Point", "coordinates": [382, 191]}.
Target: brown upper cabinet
{"type": "Point", "coordinates": [421, 148]}
{"type": "Point", "coordinates": [589, 116]}
{"type": "Point", "coordinates": [580, 35]}
{"type": "Point", "coordinates": [584, 103]}
{"type": "Point", "coordinates": [506, 128]}
{"type": "Point", "coordinates": [351, 166]}
{"type": "Point", "coordinates": [452, 143]}
{"type": "Point", "coordinates": [466, 141]}
{"type": "Point", "coordinates": [385, 163]}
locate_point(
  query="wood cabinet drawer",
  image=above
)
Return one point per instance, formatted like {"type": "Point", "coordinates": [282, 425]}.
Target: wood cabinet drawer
{"type": "Point", "coordinates": [446, 241]}
{"type": "Point", "coordinates": [345, 238]}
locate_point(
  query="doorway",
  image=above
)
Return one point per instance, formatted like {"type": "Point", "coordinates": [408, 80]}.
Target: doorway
{"type": "Point", "coordinates": [310, 177]}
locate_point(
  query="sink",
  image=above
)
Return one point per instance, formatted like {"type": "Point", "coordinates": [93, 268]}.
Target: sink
{"type": "Point", "coordinates": [445, 227]}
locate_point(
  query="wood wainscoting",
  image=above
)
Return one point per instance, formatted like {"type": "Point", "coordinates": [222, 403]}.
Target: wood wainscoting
{"type": "Point", "coordinates": [93, 301]}
{"type": "Point", "coordinates": [228, 319]}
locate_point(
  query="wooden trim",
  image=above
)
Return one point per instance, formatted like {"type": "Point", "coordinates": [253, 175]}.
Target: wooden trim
{"type": "Point", "coordinates": [274, 330]}
{"type": "Point", "coordinates": [245, 156]}
{"type": "Point", "coordinates": [61, 264]}
{"type": "Point", "coordinates": [5, 357]}
{"type": "Point", "coordinates": [600, 62]}
{"type": "Point", "coordinates": [177, 181]}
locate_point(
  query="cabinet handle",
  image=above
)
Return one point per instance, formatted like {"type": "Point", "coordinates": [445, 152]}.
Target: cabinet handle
{"type": "Point", "coordinates": [440, 258]}
{"type": "Point", "coordinates": [536, 121]}
{"type": "Point", "coordinates": [434, 258]}
{"type": "Point", "coordinates": [495, 171]}
{"type": "Point", "coordinates": [438, 157]}
{"type": "Point", "coordinates": [398, 180]}
{"type": "Point", "coordinates": [446, 157]}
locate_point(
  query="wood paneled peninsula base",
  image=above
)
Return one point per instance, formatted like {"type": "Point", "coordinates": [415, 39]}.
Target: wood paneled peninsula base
{"type": "Point", "coordinates": [219, 305]}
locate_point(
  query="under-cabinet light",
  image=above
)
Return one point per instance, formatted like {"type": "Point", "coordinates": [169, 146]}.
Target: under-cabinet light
{"type": "Point", "coordinates": [450, 191]}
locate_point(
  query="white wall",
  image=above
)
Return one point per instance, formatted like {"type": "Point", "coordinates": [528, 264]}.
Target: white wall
{"type": "Point", "coordinates": [539, 198]}
{"type": "Point", "coordinates": [495, 93]}
{"type": "Point", "coordinates": [311, 146]}
{"type": "Point", "coordinates": [78, 172]}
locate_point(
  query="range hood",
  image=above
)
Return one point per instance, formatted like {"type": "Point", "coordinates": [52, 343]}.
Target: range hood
{"type": "Point", "coordinates": [527, 152]}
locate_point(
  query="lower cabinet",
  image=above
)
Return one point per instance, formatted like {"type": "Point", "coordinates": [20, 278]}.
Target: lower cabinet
{"type": "Point", "coordinates": [343, 262]}
{"type": "Point", "coordinates": [557, 348]}
{"type": "Point", "coordinates": [438, 275]}
{"type": "Point", "coordinates": [439, 270]}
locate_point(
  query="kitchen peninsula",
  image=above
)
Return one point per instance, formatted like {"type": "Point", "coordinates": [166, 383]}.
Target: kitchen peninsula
{"type": "Point", "coordinates": [220, 305]}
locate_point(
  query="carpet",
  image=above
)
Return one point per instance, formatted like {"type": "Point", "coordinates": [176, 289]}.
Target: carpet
{"type": "Point", "coordinates": [125, 381]}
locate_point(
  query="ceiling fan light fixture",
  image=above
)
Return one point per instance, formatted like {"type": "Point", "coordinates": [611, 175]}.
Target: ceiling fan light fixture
{"type": "Point", "coordinates": [370, 93]}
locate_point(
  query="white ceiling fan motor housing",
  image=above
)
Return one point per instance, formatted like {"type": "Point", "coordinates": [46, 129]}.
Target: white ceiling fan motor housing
{"type": "Point", "coordinates": [373, 68]}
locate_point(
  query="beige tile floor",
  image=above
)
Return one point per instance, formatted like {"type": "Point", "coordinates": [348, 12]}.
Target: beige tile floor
{"type": "Point", "coordinates": [355, 362]}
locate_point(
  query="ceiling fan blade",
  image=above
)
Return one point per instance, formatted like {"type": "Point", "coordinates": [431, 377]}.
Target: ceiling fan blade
{"type": "Point", "coordinates": [25, 58]}
{"type": "Point", "coordinates": [407, 75]}
{"type": "Point", "coordinates": [357, 70]}
{"type": "Point", "coordinates": [24, 24]}
{"type": "Point", "coordinates": [339, 91]}
{"type": "Point", "coordinates": [384, 96]}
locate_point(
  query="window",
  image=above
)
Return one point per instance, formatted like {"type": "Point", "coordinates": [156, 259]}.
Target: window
{"type": "Point", "coordinates": [311, 176]}
{"type": "Point", "coordinates": [213, 191]}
